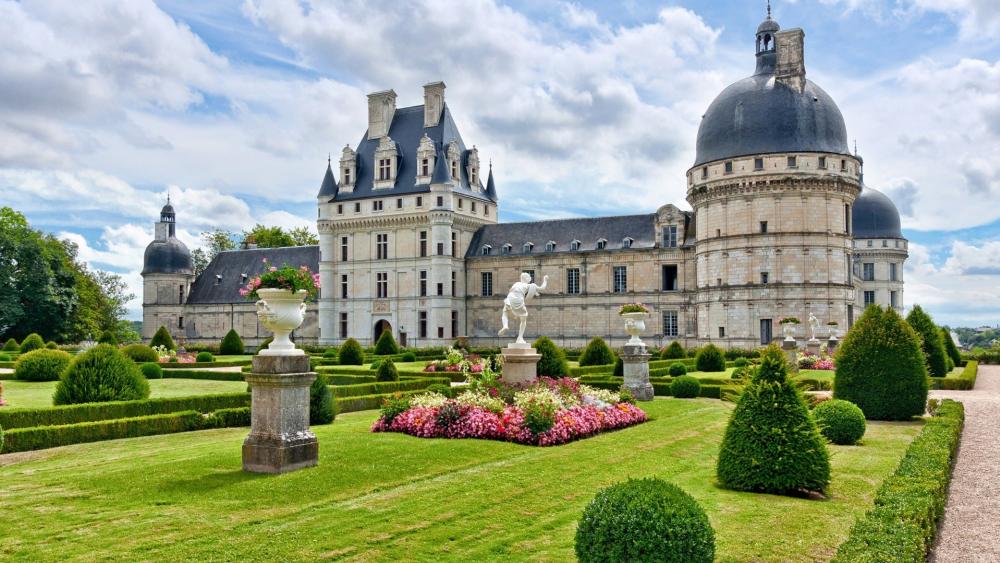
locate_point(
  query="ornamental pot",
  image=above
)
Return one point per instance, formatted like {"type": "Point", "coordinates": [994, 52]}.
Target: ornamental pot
{"type": "Point", "coordinates": [789, 329]}
{"type": "Point", "coordinates": [635, 324]}
{"type": "Point", "coordinates": [281, 311]}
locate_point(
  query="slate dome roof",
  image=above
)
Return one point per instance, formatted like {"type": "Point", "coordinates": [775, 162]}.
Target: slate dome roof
{"type": "Point", "coordinates": [169, 256]}
{"type": "Point", "coordinates": [875, 216]}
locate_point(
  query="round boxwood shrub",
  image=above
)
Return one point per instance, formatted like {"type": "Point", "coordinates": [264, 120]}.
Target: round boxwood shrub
{"type": "Point", "coordinates": [163, 338]}
{"type": "Point", "coordinates": [677, 369]}
{"type": "Point", "coordinates": [205, 357]}
{"type": "Point", "coordinates": [107, 337]}
{"type": "Point", "coordinates": [387, 371]}
{"type": "Point", "coordinates": [50, 345]}
{"type": "Point", "coordinates": [232, 344]}
{"type": "Point", "coordinates": [330, 353]}
{"type": "Point", "coordinates": [685, 387]}
{"type": "Point", "coordinates": [41, 365]}
{"type": "Point", "coordinates": [322, 407]}
{"type": "Point", "coordinates": [151, 370]}
{"type": "Point", "coordinates": [673, 352]}
{"type": "Point", "coordinates": [597, 353]}
{"type": "Point", "coordinates": [386, 345]}
{"type": "Point", "coordinates": [140, 353]}
{"type": "Point", "coordinates": [933, 344]}
{"type": "Point", "coordinates": [4, 357]}
{"type": "Point", "coordinates": [351, 353]}
{"type": "Point", "coordinates": [408, 357]}
{"type": "Point", "coordinates": [644, 520]}
{"type": "Point", "coordinates": [772, 444]}
{"type": "Point", "coordinates": [950, 349]}
{"type": "Point", "coordinates": [842, 422]}
{"type": "Point", "coordinates": [11, 346]}
{"type": "Point", "coordinates": [881, 367]}
{"type": "Point", "coordinates": [710, 358]}
{"type": "Point", "coordinates": [553, 362]}
{"type": "Point", "coordinates": [101, 374]}
{"type": "Point", "coordinates": [741, 362]}
{"type": "Point", "coordinates": [32, 342]}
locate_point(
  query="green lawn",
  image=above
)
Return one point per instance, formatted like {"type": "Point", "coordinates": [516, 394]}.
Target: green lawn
{"type": "Point", "coordinates": [822, 374]}
{"type": "Point", "coordinates": [32, 395]}
{"type": "Point", "coordinates": [388, 497]}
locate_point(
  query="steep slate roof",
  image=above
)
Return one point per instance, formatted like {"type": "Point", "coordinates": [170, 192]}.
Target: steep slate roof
{"type": "Point", "coordinates": [640, 228]}
{"type": "Point", "coordinates": [208, 289]}
{"type": "Point", "coordinates": [406, 130]}
{"type": "Point", "coordinates": [329, 187]}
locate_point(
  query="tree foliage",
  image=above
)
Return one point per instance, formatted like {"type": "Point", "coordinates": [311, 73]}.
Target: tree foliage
{"type": "Point", "coordinates": [950, 348]}
{"type": "Point", "coordinates": [932, 343]}
{"type": "Point", "coordinates": [276, 237]}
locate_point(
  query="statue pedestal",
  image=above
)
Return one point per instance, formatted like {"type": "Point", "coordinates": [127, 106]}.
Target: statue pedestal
{"type": "Point", "coordinates": [520, 364]}
{"type": "Point", "coordinates": [831, 345]}
{"type": "Point", "coordinates": [280, 440]}
{"type": "Point", "coordinates": [791, 349]}
{"type": "Point", "coordinates": [813, 346]}
{"type": "Point", "coordinates": [635, 368]}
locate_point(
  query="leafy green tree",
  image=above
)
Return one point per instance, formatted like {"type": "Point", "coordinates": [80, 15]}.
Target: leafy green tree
{"type": "Point", "coordinates": [597, 353]}
{"type": "Point", "coordinates": [933, 345]}
{"type": "Point", "coordinates": [162, 338]}
{"type": "Point", "coordinates": [231, 345]}
{"type": "Point", "coordinates": [303, 236]}
{"type": "Point", "coordinates": [268, 237]}
{"type": "Point", "coordinates": [386, 344]}
{"type": "Point", "coordinates": [950, 348]}
{"type": "Point", "coordinates": [215, 241]}
{"type": "Point", "coordinates": [553, 362]}
{"type": "Point", "coordinates": [108, 337]}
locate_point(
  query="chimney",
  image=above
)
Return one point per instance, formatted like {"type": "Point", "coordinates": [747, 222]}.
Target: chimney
{"type": "Point", "coordinates": [791, 66]}
{"type": "Point", "coordinates": [381, 108]}
{"type": "Point", "coordinates": [433, 103]}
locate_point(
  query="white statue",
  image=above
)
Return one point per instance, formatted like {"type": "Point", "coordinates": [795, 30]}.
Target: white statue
{"type": "Point", "coordinates": [813, 324]}
{"type": "Point", "coordinates": [514, 303]}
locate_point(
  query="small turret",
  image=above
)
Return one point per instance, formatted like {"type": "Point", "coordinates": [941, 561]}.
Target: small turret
{"type": "Point", "coordinates": [328, 190]}
{"type": "Point", "coordinates": [491, 188]}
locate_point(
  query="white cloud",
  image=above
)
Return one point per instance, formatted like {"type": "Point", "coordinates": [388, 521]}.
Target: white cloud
{"type": "Point", "coordinates": [963, 291]}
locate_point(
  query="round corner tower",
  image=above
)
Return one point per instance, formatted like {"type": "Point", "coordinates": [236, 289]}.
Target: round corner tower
{"type": "Point", "coordinates": [167, 274]}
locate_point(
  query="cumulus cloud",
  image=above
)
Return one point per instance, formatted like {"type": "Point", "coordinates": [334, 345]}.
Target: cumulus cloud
{"type": "Point", "coordinates": [962, 291]}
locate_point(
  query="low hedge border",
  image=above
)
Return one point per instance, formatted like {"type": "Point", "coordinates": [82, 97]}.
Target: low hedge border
{"type": "Point", "coordinates": [656, 367]}
{"type": "Point", "coordinates": [8, 365]}
{"type": "Point", "coordinates": [663, 389]}
{"type": "Point", "coordinates": [964, 382]}
{"type": "Point", "coordinates": [902, 525]}
{"type": "Point", "coordinates": [386, 387]}
{"type": "Point", "coordinates": [202, 374]}
{"type": "Point", "coordinates": [366, 402]}
{"type": "Point", "coordinates": [189, 365]}
{"type": "Point", "coordinates": [454, 376]}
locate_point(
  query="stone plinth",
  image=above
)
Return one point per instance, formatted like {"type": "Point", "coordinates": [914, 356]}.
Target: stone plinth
{"type": "Point", "coordinates": [791, 349]}
{"type": "Point", "coordinates": [831, 345]}
{"type": "Point", "coordinates": [520, 364]}
{"type": "Point", "coordinates": [280, 440]}
{"type": "Point", "coordinates": [635, 368]}
{"type": "Point", "coordinates": [813, 346]}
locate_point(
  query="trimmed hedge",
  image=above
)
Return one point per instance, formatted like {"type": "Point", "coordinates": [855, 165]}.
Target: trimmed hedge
{"type": "Point", "coordinates": [140, 353]}
{"type": "Point", "coordinates": [11, 346]}
{"type": "Point", "coordinates": [964, 382]}
{"type": "Point", "coordinates": [202, 374]}
{"type": "Point", "coordinates": [32, 342]}
{"type": "Point", "coordinates": [41, 365]}
{"type": "Point", "coordinates": [673, 352]}
{"type": "Point", "coordinates": [553, 360]}
{"type": "Point", "coordinates": [386, 371]}
{"type": "Point", "coordinates": [386, 345]}
{"type": "Point", "coordinates": [685, 387]}
{"type": "Point", "coordinates": [931, 341]}
{"type": "Point", "coordinates": [366, 402]}
{"type": "Point", "coordinates": [189, 365]}
{"type": "Point", "coordinates": [841, 422]}
{"type": "Point", "coordinates": [151, 370]}
{"type": "Point", "coordinates": [677, 369]}
{"type": "Point", "coordinates": [902, 525]}
{"type": "Point", "coordinates": [102, 373]}
{"type": "Point", "coordinates": [379, 388]}
{"type": "Point", "coordinates": [205, 358]}
{"type": "Point", "coordinates": [322, 409]}
{"type": "Point", "coordinates": [710, 358]}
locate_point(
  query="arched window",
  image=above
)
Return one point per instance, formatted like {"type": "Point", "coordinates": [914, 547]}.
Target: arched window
{"type": "Point", "coordinates": [550, 246]}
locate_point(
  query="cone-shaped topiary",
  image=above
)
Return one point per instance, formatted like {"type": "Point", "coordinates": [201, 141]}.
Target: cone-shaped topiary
{"type": "Point", "coordinates": [772, 444]}
{"type": "Point", "coordinates": [842, 422]}
{"type": "Point", "coordinates": [108, 337]}
{"type": "Point", "coordinates": [11, 346]}
{"type": "Point", "coordinates": [597, 353]}
{"type": "Point", "coordinates": [41, 365]}
{"type": "Point", "coordinates": [881, 367]}
{"type": "Point", "coordinates": [32, 342]}
{"type": "Point", "coordinates": [351, 354]}
{"type": "Point", "coordinates": [710, 358]}
{"type": "Point", "coordinates": [386, 371]}
{"type": "Point", "coordinates": [322, 408]}
{"type": "Point", "coordinates": [386, 345]}
{"type": "Point", "coordinates": [232, 344]}
{"type": "Point", "coordinates": [644, 520]}
{"type": "Point", "coordinates": [933, 345]}
{"type": "Point", "coordinates": [553, 362]}
{"type": "Point", "coordinates": [950, 348]}
{"type": "Point", "coordinates": [673, 352]}
{"type": "Point", "coordinates": [140, 353]}
{"type": "Point", "coordinates": [163, 338]}
{"type": "Point", "coordinates": [685, 387]}
{"type": "Point", "coordinates": [101, 374]}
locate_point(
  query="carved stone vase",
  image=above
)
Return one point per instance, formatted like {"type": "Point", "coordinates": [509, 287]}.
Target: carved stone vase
{"type": "Point", "coordinates": [789, 330]}
{"type": "Point", "coordinates": [281, 311]}
{"type": "Point", "coordinates": [635, 324]}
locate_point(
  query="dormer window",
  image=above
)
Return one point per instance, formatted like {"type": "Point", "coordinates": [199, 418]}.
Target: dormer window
{"type": "Point", "coordinates": [454, 158]}
{"type": "Point", "coordinates": [425, 159]}
{"type": "Point", "coordinates": [486, 250]}
{"type": "Point", "coordinates": [349, 168]}
{"type": "Point", "coordinates": [425, 167]}
{"type": "Point", "coordinates": [527, 248]}
{"type": "Point", "coordinates": [575, 245]}
{"type": "Point", "coordinates": [218, 279]}
{"type": "Point", "coordinates": [626, 242]}
{"type": "Point", "coordinates": [550, 246]}
{"type": "Point", "coordinates": [472, 168]}
{"type": "Point", "coordinates": [384, 169]}
{"type": "Point", "coordinates": [505, 249]}
{"type": "Point", "coordinates": [454, 170]}
{"type": "Point", "coordinates": [386, 162]}
{"type": "Point", "coordinates": [602, 244]}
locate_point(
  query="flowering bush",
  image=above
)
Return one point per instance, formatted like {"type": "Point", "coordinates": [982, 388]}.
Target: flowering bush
{"type": "Point", "coordinates": [633, 308]}
{"type": "Point", "coordinates": [789, 321]}
{"type": "Point", "coordinates": [808, 360]}
{"type": "Point", "coordinates": [285, 277]}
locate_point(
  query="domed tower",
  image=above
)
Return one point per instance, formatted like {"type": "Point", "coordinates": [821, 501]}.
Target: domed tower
{"type": "Point", "coordinates": [879, 250]}
{"type": "Point", "coordinates": [772, 190]}
{"type": "Point", "coordinates": [167, 273]}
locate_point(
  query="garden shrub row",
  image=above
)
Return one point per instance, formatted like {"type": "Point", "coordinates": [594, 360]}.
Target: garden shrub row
{"type": "Point", "coordinates": [341, 391]}
{"type": "Point", "coordinates": [964, 382]}
{"type": "Point", "coordinates": [204, 375]}
{"type": "Point", "coordinates": [988, 357]}
{"type": "Point", "coordinates": [366, 402]}
{"type": "Point", "coordinates": [661, 389]}
{"type": "Point", "coordinates": [908, 505]}
{"type": "Point", "coordinates": [89, 412]}
{"type": "Point", "coordinates": [657, 367]}
{"type": "Point", "coordinates": [223, 364]}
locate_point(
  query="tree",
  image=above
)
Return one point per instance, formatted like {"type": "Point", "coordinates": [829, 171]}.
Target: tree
{"type": "Point", "coordinates": [268, 237]}
{"type": "Point", "coordinates": [597, 353]}
{"type": "Point", "coordinates": [386, 371]}
{"type": "Point", "coordinates": [303, 236]}
{"type": "Point", "coordinates": [101, 374]}
{"type": "Point", "coordinates": [933, 345]}
{"type": "Point", "coordinates": [710, 358]}
{"type": "Point", "coordinates": [950, 348]}
{"type": "Point", "coordinates": [350, 353]}
{"type": "Point", "coordinates": [553, 362]}
{"type": "Point", "coordinates": [215, 241]}
{"type": "Point", "coordinates": [322, 408]}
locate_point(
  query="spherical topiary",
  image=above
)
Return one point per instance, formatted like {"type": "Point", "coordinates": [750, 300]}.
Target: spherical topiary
{"type": "Point", "coordinates": [140, 353]}
{"type": "Point", "coordinates": [772, 444]}
{"type": "Point", "coordinates": [11, 346]}
{"type": "Point", "coordinates": [151, 370]}
{"type": "Point", "coordinates": [553, 362]}
{"type": "Point", "coordinates": [205, 357]}
{"type": "Point", "coordinates": [101, 374]}
{"type": "Point", "coordinates": [330, 353]}
{"type": "Point", "coordinates": [881, 367]}
{"type": "Point", "coordinates": [685, 387]}
{"type": "Point", "coordinates": [597, 353]}
{"type": "Point", "coordinates": [710, 358]}
{"type": "Point", "coordinates": [673, 352]}
{"type": "Point", "coordinates": [741, 362]}
{"type": "Point", "coordinates": [386, 345]}
{"type": "Point", "coordinates": [619, 370]}
{"type": "Point", "coordinates": [41, 365]}
{"type": "Point", "coordinates": [50, 345]}
{"type": "Point", "coordinates": [32, 342]}
{"type": "Point", "coordinates": [163, 338]}
{"type": "Point", "coordinates": [842, 422]}
{"type": "Point", "coordinates": [950, 348]}
{"type": "Point", "coordinates": [351, 353]}
{"type": "Point", "coordinates": [933, 344]}
{"type": "Point", "coordinates": [232, 344]}
{"type": "Point", "coordinates": [677, 369]}
{"type": "Point", "coordinates": [644, 520]}
{"type": "Point", "coordinates": [408, 357]}
{"type": "Point", "coordinates": [387, 371]}
{"type": "Point", "coordinates": [108, 337]}
{"type": "Point", "coordinates": [322, 407]}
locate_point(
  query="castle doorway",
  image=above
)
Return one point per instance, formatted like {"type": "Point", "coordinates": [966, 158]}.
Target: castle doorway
{"type": "Point", "coordinates": [380, 327]}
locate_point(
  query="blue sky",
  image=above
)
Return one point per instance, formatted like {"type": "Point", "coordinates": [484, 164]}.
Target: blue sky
{"type": "Point", "coordinates": [585, 108]}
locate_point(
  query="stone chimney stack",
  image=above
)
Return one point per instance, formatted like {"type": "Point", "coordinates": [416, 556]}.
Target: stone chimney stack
{"type": "Point", "coordinates": [433, 103]}
{"type": "Point", "coordinates": [381, 108]}
{"type": "Point", "coordinates": [791, 65]}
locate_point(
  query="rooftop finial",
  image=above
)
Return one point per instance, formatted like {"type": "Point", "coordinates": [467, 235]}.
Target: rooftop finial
{"type": "Point", "coordinates": [855, 147]}
{"type": "Point", "coordinates": [329, 157]}
{"type": "Point", "coordinates": [168, 197]}
{"type": "Point", "coordinates": [768, 9]}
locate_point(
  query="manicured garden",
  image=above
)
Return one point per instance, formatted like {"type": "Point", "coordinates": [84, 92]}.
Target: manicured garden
{"type": "Point", "coordinates": [30, 394]}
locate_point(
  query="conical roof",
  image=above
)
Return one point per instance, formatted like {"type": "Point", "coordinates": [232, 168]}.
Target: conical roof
{"type": "Point", "coordinates": [329, 187]}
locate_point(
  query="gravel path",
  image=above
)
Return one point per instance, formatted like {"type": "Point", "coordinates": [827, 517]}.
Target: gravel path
{"type": "Point", "coordinates": [970, 531]}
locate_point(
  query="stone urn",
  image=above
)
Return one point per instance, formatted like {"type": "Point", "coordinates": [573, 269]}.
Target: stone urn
{"type": "Point", "coordinates": [635, 324]}
{"type": "Point", "coordinates": [281, 311]}
{"type": "Point", "coordinates": [789, 330]}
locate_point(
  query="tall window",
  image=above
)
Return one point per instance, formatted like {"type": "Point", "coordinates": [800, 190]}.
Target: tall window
{"type": "Point", "coordinates": [764, 278]}
{"type": "Point", "coordinates": [620, 284]}
{"type": "Point", "coordinates": [399, 203]}
{"type": "Point", "coordinates": [385, 168]}
{"type": "Point", "coordinates": [722, 332]}
{"type": "Point", "coordinates": [377, 205]}
{"type": "Point", "coordinates": [670, 324]}
{"type": "Point", "coordinates": [440, 201]}
{"type": "Point", "coordinates": [847, 218]}
{"type": "Point", "coordinates": [869, 298]}
{"type": "Point", "coordinates": [573, 280]}
{"type": "Point", "coordinates": [440, 288]}
{"type": "Point", "coordinates": [670, 236]}
{"type": "Point", "coordinates": [425, 167]}
{"type": "Point", "coordinates": [382, 246]}
{"type": "Point", "coordinates": [423, 283]}
{"type": "Point", "coordinates": [343, 249]}
{"type": "Point", "coordinates": [440, 249]}
{"type": "Point", "coordinates": [454, 324]}
{"type": "Point", "coordinates": [487, 284]}
{"type": "Point", "coordinates": [343, 286]}
{"type": "Point", "coordinates": [669, 277]}
{"type": "Point", "coordinates": [894, 272]}
{"type": "Point", "coordinates": [423, 243]}
{"type": "Point", "coordinates": [454, 170]}
{"type": "Point", "coordinates": [461, 203]}
{"type": "Point", "coordinates": [343, 325]}
{"type": "Point", "coordinates": [347, 176]}
{"type": "Point", "coordinates": [868, 271]}
{"type": "Point", "coordinates": [454, 243]}
{"type": "Point", "coordinates": [473, 207]}
{"type": "Point", "coordinates": [180, 294]}
{"type": "Point", "coordinates": [180, 322]}
{"type": "Point", "coordinates": [422, 324]}
{"type": "Point", "coordinates": [763, 226]}
{"type": "Point", "coordinates": [454, 284]}
{"type": "Point", "coordinates": [357, 207]}
{"type": "Point", "coordinates": [822, 163]}
{"type": "Point", "coordinates": [420, 201]}
{"type": "Point", "coordinates": [729, 167]}
{"type": "Point", "coordinates": [894, 299]}
{"type": "Point", "coordinates": [382, 284]}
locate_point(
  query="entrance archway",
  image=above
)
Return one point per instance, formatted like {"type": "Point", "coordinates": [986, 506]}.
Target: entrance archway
{"type": "Point", "coordinates": [380, 327]}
